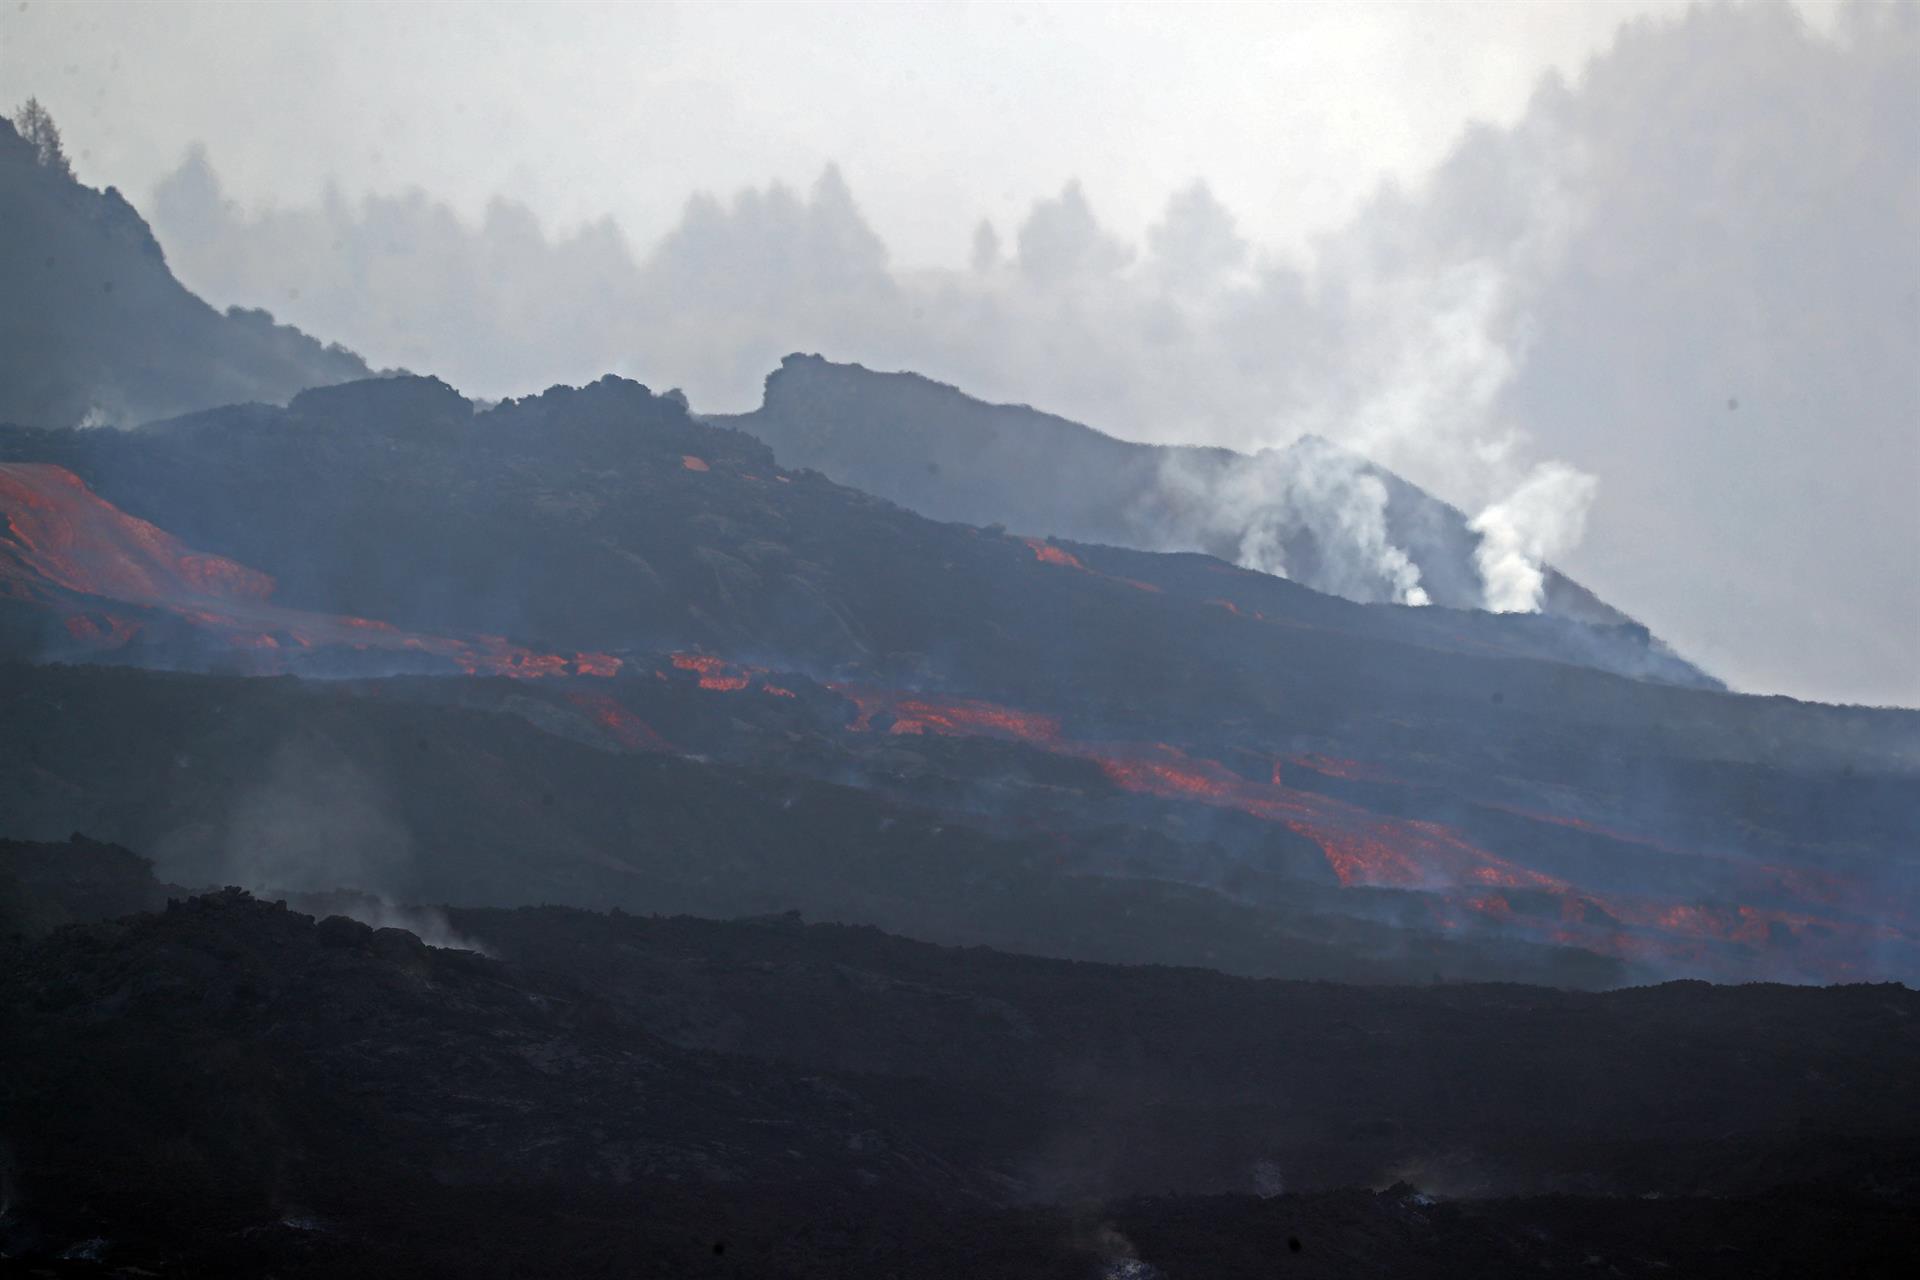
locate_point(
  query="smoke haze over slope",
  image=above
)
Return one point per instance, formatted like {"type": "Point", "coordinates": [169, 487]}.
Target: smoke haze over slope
{"type": "Point", "coordinates": [1679, 295]}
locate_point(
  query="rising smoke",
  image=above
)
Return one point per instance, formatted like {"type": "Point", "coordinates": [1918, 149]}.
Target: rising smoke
{"type": "Point", "coordinates": [1537, 522]}
{"type": "Point", "coordinates": [319, 829]}
{"type": "Point", "coordinates": [1271, 498]}
{"type": "Point", "coordinates": [316, 820]}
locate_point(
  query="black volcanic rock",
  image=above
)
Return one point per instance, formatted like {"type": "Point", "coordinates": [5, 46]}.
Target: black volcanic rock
{"type": "Point", "coordinates": [412, 400]}
{"type": "Point", "coordinates": [1196, 1078]}
{"type": "Point", "coordinates": [229, 1086]}
{"type": "Point", "coordinates": [96, 328]}
{"type": "Point", "coordinates": [304, 1063]}
{"type": "Point", "coordinates": [43, 886]}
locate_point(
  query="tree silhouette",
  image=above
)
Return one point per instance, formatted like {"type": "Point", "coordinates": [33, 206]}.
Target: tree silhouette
{"type": "Point", "coordinates": [36, 125]}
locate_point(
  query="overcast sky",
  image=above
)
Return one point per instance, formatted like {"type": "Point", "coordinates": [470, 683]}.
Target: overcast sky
{"type": "Point", "coordinates": [939, 114]}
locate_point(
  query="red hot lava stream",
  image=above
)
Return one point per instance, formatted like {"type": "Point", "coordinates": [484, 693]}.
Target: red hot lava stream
{"type": "Point", "coordinates": [1048, 553]}
{"type": "Point", "coordinates": [66, 549]}
{"type": "Point", "coordinates": [1463, 881]}
{"type": "Point", "coordinates": [62, 540]}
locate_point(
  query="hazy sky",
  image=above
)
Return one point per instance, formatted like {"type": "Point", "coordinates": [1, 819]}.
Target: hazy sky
{"type": "Point", "coordinates": [938, 113]}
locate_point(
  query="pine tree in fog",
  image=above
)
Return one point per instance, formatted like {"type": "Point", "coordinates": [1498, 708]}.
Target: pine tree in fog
{"type": "Point", "coordinates": [36, 125]}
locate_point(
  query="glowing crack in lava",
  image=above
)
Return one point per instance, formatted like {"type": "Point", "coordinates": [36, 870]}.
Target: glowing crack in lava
{"type": "Point", "coordinates": [67, 549]}
{"type": "Point", "coordinates": [1462, 882]}
{"type": "Point", "coordinates": [717, 675]}
{"type": "Point", "coordinates": [714, 674]}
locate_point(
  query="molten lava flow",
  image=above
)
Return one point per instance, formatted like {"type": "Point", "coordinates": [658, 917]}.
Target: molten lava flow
{"type": "Point", "coordinates": [66, 547]}
{"type": "Point", "coordinates": [692, 463]}
{"type": "Point", "coordinates": [1221, 602]}
{"type": "Point", "coordinates": [957, 717]}
{"type": "Point", "coordinates": [1362, 848]}
{"type": "Point", "coordinates": [1047, 553]}
{"type": "Point", "coordinates": [1463, 882]}
{"type": "Point", "coordinates": [61, 532]}
{"type": "Point", "coordinates": [597, 664]}
{"type": "Point", "coordinates": [715, 674]}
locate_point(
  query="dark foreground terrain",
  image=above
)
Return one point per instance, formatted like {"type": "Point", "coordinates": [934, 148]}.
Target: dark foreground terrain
{"type": "Point", "coordinates": [230, 1084]}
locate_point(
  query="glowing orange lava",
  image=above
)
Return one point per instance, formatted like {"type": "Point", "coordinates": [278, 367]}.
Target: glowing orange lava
{"type": "Point", "coordinates": [1047, 553]}
{"type": "Point", "coordinates": [913, 713]}
{"type": "Point", "coordinates": [692, 463]}
{"type": "Point", "coordinates": [597, 664]}
{"type": "Point", "coordinates": [1462, 880]}
{"type": "Point", "coordinates": [64, 541]}
{"type": "Point", "coordinates": [59, 531]}
{"type": "Point", "coordinates": [715, 673]}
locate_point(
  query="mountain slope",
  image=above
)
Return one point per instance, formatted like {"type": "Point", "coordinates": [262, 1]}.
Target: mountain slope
{"type": "Point", "coordinates": [1160, 719]}
{"type": "Point", "coordinates": [933, 448]}
{"type": "Point", "coordinates": [605, 516]}
{"type": "Point", "coordinates": [95, 327]}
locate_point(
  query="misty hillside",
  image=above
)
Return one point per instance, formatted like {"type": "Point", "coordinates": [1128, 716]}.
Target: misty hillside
{"type": "Point", "coordinates": [974, 732]}
{"type": "Point", "coordinates": [1321, 516]}
{"type": "Point", "coordinates": [97, 330]}
{"type": "Point", "coordinates": [606, 517]}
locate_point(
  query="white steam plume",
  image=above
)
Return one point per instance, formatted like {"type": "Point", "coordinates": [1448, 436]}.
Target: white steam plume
{"type": "Point", "coordinates": [1541, 519]}
{"type": "Point", "coordinates": [1312, 490]}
